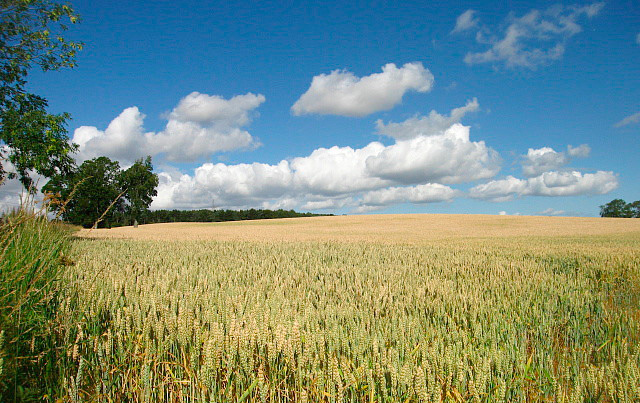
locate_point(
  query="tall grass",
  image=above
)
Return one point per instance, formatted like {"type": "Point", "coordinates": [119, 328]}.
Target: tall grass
{"type": "Point", "coordinates": [32, 252]}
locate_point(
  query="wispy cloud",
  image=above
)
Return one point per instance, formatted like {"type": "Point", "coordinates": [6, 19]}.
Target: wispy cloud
{"type": "Point", "coordinates": [534, 39]}
{"type": "Point", "coordinates": [552, 212]}
{"type": "Point", "coordinates": [629, 120]}
{"type": "Point", "coordinates": [465, 21]}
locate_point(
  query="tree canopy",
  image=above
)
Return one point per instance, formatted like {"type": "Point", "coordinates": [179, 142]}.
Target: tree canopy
{"type": "Point", "coordinates": [98, 191]}
{"type": "Point", "coordinates": [620, 208]}
{"type": "Point", "coordinates": [31, 139]}
{"type": "Point", "coordinates": [139, 185]}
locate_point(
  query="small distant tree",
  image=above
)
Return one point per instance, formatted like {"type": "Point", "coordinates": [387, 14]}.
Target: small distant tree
{"type": "Point", "coordinates": [139, 185]}
{"type": "Point", "coordinates": [619, 208]}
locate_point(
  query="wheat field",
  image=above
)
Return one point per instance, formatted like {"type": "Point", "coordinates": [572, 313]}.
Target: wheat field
{"type": "Point", "coordinates": [396, 228]}
{"type": "Point", "coordinates": [405, 308]}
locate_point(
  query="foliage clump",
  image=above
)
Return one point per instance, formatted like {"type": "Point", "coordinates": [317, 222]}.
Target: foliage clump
{"type": "Point", "coordinates": [99, 193]}
{"type": "Point", "coordinates": [31, 139]}
{"type": "Point", "coordinates": [620, 208]}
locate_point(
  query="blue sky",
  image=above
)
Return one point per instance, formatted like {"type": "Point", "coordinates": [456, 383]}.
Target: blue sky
{"type": "Point", "coordinates": [209, 91]}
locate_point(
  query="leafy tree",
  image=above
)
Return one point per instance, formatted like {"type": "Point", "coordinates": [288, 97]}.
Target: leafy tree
{"type": "Point", "coordinates": [139, 185]}
{"type": "Point", "coordinates": [99, 189]}
{"type": "Point", "coordinates": [91, 191]}
{"type": "Point", "coordinates": [30, 138]}
{"type": "Point", "coordinates": [635, 208]}
{"type": "Point", "coordinates": [616, 208]}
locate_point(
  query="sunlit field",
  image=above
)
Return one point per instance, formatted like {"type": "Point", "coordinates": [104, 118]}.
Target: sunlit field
{"type": "Point", "coordinates": [417, 308]}
{"type": "Point", "coordinates": [401, 228]}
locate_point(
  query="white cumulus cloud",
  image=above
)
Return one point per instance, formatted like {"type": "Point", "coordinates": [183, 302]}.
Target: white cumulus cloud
{"type": "Point", "coordinates": [534, 39]}
{"type": "Point", "coordinates": [199, 126]}
{"type": "Point", "coordinates": [546, 159]}
{"type": "Point", "coordinates": [342, 93]}
{"type": "Point", "coordinates": [337, 170]}
{"type": "Point", "coordinates": [222, 185]}
{"type": "Point", "coordinates": [427, 193]}
{"type": "Point", "coordinates": [336, 177]}
{"type": "Point", "coordinates": [446, 158]}
{"type": "Point", "coordinates": [552, 184]}
{"type": "Point", "coordinates": [13, 194]}
{"type": "Point", "coordinates": [430, 125]}
{"type": "Point", "coordinates": [328, 204]}
{"type": "Point", "coordinates": [581, 151]}
{"type": "Point", "coordinates": [542, 160]}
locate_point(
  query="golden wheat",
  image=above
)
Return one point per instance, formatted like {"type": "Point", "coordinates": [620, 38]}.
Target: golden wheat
{"type": "Point", "coordinates": [529, 318]}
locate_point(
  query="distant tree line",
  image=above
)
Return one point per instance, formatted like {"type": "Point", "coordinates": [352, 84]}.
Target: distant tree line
{"type": "Point", "coordinates": [620, 208]}
{"type": "Point", "coordinates": [160, 216]}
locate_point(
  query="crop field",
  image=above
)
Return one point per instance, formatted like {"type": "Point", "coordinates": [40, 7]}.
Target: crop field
{"type": "Point", "coordinates": [408, 308]}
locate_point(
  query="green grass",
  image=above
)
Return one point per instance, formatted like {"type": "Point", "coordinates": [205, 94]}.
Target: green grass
{"type": "Point", "coordinates": [32, 252]}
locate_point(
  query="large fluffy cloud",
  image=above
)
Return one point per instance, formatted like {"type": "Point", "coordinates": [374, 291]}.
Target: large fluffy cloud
{"type": "Point", "coordinates": [224, 185]}
{"type": "Point", "coordinates": [342, 93]}
{"type": "Point", "coordinates": [339, 176]}
{"type": "Point", "coordinates": [446, 158]}
{"type": "Point", "coordinates": [552, 183]}
{"type": "Point", "coordinates": [200, 125]}
{"type": "Point", "coordinates": [337, 170]}
{"type": "Point", "coordinates": [534, 39]}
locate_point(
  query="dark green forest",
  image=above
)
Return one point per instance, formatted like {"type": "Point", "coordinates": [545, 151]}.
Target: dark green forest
{"type": "Point", "coordinates": [204, 215]}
